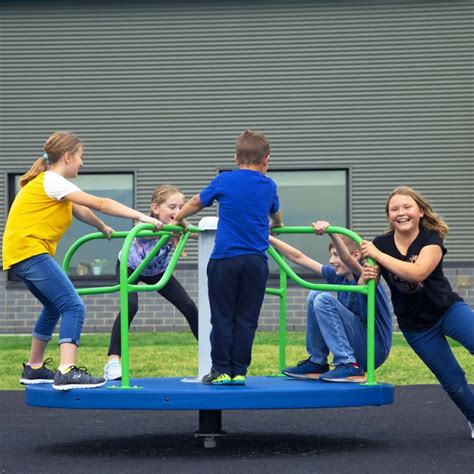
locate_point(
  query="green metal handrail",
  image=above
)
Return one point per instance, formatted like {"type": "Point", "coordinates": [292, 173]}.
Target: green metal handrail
{"type": "Point", "coordinates": [286, 270]}
{"type": "Point", "coordinates": [126, 283]}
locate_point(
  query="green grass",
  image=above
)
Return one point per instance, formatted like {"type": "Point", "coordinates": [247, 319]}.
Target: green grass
{"type": "Point", "coordinates": [175, 354]}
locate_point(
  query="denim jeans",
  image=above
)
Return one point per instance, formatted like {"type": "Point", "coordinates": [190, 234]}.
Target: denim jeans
{"type": "Point", "coordinates": [433, 349]}
{"type": "Point", "coordinates": [331, 327]}
{"type": "Point", "coordinates": [47, 281]}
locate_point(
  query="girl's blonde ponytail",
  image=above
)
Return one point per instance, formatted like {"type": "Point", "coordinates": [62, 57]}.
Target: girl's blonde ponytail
{"type": "Point", "coordinates": [38, 167]}
{"type": "Point", "coordinates": [56, 146]}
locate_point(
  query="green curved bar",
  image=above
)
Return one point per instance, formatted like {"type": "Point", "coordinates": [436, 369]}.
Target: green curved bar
{"type": "Point", "coordinates": [126, 283]}
{"type": "Point", "coordinates": [368, 290]}
{"type": "Point", "coordinates": [164, 239]}
{"type": "Point", "coordinates": [126, 287]}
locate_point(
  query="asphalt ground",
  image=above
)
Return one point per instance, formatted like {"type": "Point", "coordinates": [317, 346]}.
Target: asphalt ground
{"type": "Point", "coordinates": [422, 432]}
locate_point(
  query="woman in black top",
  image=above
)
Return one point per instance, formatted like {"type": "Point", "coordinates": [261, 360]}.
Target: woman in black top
{"type": "Point", "coordinates": [410, 256]}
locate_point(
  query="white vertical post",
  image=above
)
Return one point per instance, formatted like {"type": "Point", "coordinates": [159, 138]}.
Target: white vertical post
{"type": "Point", "coordinates": [205, 247]}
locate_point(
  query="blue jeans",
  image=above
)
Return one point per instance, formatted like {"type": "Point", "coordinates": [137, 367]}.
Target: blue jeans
{"type": "Point", "coordinates": [331, 327]}
{"type": "Point", "coordinates": [433, 349]}
{"type": "Point", "coordinates": [47, 281]}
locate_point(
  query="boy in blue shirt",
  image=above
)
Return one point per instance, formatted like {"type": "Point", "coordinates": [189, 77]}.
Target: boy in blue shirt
{"type": "Point", "coordinates": [339, 325]}
{"type": "Point", "coordinates": [238, 270]}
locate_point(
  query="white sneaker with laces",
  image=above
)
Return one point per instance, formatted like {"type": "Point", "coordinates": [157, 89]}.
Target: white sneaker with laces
{"type": "Point", "coordinates": [113, 370]}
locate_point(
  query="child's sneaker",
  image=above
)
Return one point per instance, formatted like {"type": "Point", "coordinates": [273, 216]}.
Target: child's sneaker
{"type": "Point", "coordinates": [344, 373]}
{"type": "Point", "coordinates": [113, 370]}
{"type": "Point", "coordinates": [31, 376]}
{"type": "Point", "coordinates": [471, 425]}
{"type": "Point", "coordinates": [306, 369]}
{"type": "Point", "coordinates": [216, 378]}
{"type": "Point", "coordinates": [238, 380]}
{"type": "Point", "coordinates": [76, 377]}
{"type": "Point", "coordinates": [222, 379]}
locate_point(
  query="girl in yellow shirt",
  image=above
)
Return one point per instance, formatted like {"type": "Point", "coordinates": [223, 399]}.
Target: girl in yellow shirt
{"type": "Point", "coordinates": [40, 215]}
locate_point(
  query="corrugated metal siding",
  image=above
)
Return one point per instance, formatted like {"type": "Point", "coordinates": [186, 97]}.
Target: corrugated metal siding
{"type": "Point", "coordinates": [164, 88]}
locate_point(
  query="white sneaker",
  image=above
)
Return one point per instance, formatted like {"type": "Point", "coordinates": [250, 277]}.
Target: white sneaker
{"type": "Point", "coordinates": [113, 370]}
{"type": "Point", "coordinates": [471, 425]}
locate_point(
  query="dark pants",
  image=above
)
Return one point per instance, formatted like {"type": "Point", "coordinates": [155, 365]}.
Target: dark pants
{"type": "Point", "coordinates": [433, 349]}
{"type": "Point", "coordinates": [172, 291]}
{"type": "Point", "coordinates": [236, 292]}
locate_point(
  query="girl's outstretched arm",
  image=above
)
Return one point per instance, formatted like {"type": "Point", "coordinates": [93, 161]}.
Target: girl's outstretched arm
{"type": "Point", "coordinates": [84, 214]}
{"type": "Point", "coordinates": [415, 272]}
{"type": "Point", "coordinates": [110, 207]}
{"type": "Point", "coordinates": [296, 256]}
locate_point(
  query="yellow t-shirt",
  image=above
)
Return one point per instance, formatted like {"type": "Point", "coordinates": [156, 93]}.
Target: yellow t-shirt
{"type": "Point", "coordinates": [38, 218]}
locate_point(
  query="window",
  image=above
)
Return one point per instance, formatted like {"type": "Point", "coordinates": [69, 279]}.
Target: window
{"type": "Point", "coordinates": [97, 257]}
{"type": "Point", "coordinates": [309, 195]}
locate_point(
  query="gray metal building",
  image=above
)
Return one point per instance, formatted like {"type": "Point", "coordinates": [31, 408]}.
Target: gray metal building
{"type": "Point", "coordinates": [159, 90]}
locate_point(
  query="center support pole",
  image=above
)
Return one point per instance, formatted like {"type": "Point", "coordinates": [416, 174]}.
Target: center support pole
{"type": "Point", "coordinates": [205, 247]}
{"type": "Point", "coordinates": [210, 427]}
{"type": "Point", "coordinates": [210, 421]}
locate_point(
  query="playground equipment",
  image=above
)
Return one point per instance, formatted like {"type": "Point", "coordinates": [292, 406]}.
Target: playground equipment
{"type": "Point", "coordinates": [174, 393]}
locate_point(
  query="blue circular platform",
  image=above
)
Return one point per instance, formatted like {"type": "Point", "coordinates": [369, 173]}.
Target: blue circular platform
{"type": "Point", "coordinates": [174, 394]}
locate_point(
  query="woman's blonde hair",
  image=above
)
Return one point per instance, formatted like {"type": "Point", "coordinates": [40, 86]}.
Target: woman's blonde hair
{"type": "Point", "coordinates": [430, 219]}
{"type": "Point", "coordinates": [161, 194]}
{"type": "Point", "coordinates": [56, 146]}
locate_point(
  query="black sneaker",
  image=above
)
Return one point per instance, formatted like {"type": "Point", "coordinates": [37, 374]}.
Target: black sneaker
{"type": "Point", "coordinates": [216, 378]}
{"type": "Point", "coordinates": [76, 377]}
{"type": "Point", "coordinates": [31, 376]}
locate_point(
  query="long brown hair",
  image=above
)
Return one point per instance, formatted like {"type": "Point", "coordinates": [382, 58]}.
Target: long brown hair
{"type": "Point", "coordinates": [55, 146]}
{"type": "Point", "coordinates": [430, 219]}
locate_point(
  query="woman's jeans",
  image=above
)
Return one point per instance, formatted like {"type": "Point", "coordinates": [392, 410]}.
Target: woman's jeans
{"type": "Point", "coordinates": [47, 281]}
{"type": "Point", "coordinates": [433, 349]}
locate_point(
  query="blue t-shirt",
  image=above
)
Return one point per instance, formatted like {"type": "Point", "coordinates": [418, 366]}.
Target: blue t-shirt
{"type": "Point", "coordinates": [246, 198]}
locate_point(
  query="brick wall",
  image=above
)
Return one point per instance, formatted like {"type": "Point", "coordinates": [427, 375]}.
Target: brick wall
{"type": "Point", "coordinates": [20, 308]}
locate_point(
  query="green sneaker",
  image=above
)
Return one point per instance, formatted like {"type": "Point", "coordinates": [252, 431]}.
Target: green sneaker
{"type": "Point", "coordinates": [222, 379]}
{"type": "Point", "coordinates": [238, 380]}
{"type": "Point", "coordinates": [216, 378]}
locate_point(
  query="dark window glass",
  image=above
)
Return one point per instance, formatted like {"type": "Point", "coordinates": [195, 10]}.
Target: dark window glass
{"type": "Point", "coordinates": [307, 196]}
